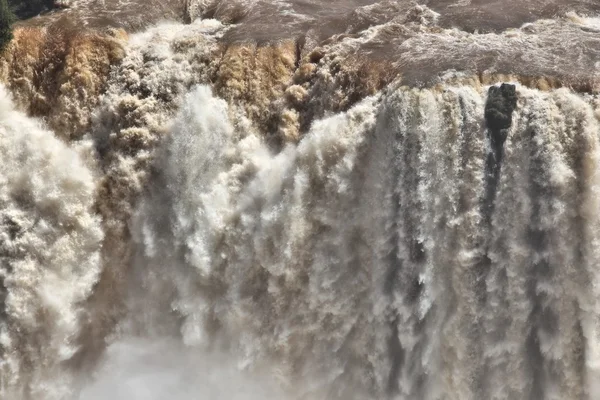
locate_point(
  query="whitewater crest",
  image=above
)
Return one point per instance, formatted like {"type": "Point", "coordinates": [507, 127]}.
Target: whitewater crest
{"type": "Point", "coordinates": [376, 200]}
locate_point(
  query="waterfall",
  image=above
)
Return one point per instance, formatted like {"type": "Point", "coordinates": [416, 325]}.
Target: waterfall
{"type": "Point", "coordinates": [356, 200]}
{"type": "Point", "coordinates": [399, 249]}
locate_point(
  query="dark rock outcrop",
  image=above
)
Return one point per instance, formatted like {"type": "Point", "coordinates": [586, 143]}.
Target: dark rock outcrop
{"type": "Point", "coordinates": [501, 102]}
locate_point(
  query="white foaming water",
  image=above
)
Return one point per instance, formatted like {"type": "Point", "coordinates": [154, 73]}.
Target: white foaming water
{"type": "Point", "coordinates": [50, 239]}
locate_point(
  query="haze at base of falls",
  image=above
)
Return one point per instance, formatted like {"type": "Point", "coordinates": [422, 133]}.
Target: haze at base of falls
{"type": "Point", "coordinates": [157, 369]}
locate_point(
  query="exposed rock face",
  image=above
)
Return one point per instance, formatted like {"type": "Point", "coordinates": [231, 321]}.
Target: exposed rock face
{"type": "Point", "coordinates": [498, 113]}
{"type": "Point", "coordinates": [501, 102]}
{"type": "Point", "coordinates": [60, 72]}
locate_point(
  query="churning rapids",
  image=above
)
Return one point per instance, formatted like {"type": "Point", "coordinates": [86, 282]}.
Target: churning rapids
{"type": "Point", "coordinates": [261, 199]}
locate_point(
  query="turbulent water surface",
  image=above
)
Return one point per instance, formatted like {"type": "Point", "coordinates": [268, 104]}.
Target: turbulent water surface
{"type": "Point", "coordinates": [304, 200]}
